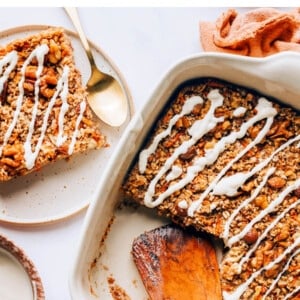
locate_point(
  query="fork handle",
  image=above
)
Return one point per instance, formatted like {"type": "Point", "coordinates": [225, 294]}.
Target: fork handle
{"type": "Point", "coordinates": [73, 15]}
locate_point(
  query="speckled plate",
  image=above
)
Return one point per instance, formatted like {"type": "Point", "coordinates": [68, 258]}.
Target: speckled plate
{"type": "Point", "coordinates": [103, 263]}
{"type": "Point", "coordinates": [65, 188]}
{"type": "Point", "coordinates": [18, 275]}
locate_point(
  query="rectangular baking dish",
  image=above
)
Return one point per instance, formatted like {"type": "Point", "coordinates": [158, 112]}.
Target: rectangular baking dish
{"type": "Point", "coordinates": [103, 266]}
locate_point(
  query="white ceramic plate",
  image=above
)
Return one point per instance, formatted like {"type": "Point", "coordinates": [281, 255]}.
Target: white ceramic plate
{"type": "Point", "coordinates": [103, 262]}
{"type": "Point", "coordinates": [66, 187]}
{"type": "Point", "coordinates": [18, 275]}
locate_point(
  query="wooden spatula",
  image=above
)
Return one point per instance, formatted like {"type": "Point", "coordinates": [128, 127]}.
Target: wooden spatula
{"type": "Point", "coordinates": [177, 264]}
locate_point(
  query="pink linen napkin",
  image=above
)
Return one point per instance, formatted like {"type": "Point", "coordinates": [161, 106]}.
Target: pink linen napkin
{"type": "Point", "coordinates": [259, 32]}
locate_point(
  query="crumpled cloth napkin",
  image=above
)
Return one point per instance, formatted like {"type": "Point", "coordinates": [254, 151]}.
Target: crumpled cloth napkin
{"type": "Point", "coordinates": [259, 32]}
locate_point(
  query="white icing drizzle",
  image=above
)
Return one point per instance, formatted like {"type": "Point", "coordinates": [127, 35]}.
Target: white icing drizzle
{"type": "Point", "coordinates": [63, 86]}
{"type": "Point", "coordinates": [292, 293]}
{"type": "Point", "coordinates": [243, 178]}
{"type": "Point", "coordinates": [175, 172]}
{"type": "Point", "coordinates": [229, 185]}
{"type": "Point", "coordinates": [197, 130]}
{"type": "Point", "coordinates": [11, 60]}
{"type": "Point", "coordinates": [280, 274]}
{"type": "Point", "coordinates": [264, 212]}
{"type": "Point", "coordinates": [183, 204]}
{"type": "Point", "coordinates": [62, 89]}
{"type": "Point", "coordinates": [186, 109]}
{"type": "Point", "coordinates": [227, 224]}
{"type": "Point", "coordinates": [76, 131]}
{"type": "Point", "coordinates": [213, 206]}
{"type": "Point", "coordinates": [30, 157]}
{"type": "Point", "coordinates": [265, 232]}
{"type": "Point", "coordinates": [264, 110]}
{"type": "Point", "coordinates": [239, 111]}
{"type": "Point", "coordinates": [39, 53]}
{"type": "Point", "coordinates": [243, 287]}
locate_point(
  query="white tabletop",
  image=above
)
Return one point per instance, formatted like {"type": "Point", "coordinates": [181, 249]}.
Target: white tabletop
{"type": "Point", "coordinates": [144, 43]}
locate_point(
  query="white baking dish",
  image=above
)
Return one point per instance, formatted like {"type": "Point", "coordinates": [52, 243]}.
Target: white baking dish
{"type": "Point", "coordinates": [105, 253]}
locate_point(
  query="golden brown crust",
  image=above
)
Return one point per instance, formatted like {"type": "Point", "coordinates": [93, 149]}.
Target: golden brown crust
{"type": "Point", "coordinates": [59, 56]}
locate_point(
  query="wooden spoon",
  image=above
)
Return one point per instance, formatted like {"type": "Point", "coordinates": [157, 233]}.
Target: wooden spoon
{"type": "Point", "coordinates": [177, 264]}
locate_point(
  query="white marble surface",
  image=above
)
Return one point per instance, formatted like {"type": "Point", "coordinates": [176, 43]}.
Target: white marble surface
{"type": "Point", "coordinates": [143, 43]}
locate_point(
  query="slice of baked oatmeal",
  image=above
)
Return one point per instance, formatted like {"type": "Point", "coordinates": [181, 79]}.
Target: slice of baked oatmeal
{"type": "Point", "coordinates": [226, 160]}
{"type": "Point", "coordinates": [43, 105]}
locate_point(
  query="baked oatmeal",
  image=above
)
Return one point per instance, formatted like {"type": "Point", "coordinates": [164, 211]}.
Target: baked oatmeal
{"type": "Point", "coordinates": [43, 105]}
{"type": "Point", "coordinates": [226, 160]}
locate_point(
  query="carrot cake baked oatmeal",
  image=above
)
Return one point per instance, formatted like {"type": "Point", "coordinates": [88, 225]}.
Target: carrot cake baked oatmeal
{"type": "Point", "coordinates": [226, 160]}
{"type": "Point", "coordinates": [43, 105]}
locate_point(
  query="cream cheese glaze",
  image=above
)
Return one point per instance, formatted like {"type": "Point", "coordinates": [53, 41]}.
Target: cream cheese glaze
{"type": "Point", "coordinates": [39, 53]}
{"type": "Point", "coordinates": [281, 273]}
{"type": "Point", "coordinates": [242, 288]}
{"type": "Point", "coordinates": [10, 60]}
{"type": "Point", "coordinates": [264, 212]}
{"type": "Point", "coordinates": [223, 185]}
{"type": "Point", "coordinates": [187, 108]}
{"type": "Point", "coordinates": [264, 234]}
{"type": "Point", "coordinates": [239, 111]}
{"type": "Point", "coordinates": [174, 173]}
{"type": "Point", "coordinates": [198, 130]}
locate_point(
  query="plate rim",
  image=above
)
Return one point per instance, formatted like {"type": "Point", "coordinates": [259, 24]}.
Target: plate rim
{"type": "Point", "coordinates": [27, 264]}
